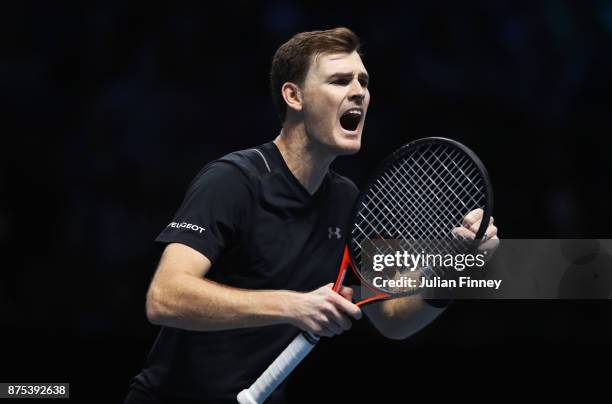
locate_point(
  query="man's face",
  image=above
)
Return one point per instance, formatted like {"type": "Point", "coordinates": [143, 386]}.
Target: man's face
{"type": "Point", "coordinates": [335, 101]}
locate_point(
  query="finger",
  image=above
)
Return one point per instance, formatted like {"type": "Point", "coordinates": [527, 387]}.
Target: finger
{"type": "Point", "coordinates": [325, 332]}
{"type": "Point", "coordinates": [490, 244]}
{"type": "Point", "coordinates": [463, 232]}
{"type": "Point", "coordinates": [321, 330]}
{"type": "Point", "coordinates": [472, 217]}
{"type": "Point", "coordinates": [339, 319]}
{"type": "Point", "coordinates": [476, 226]}
{"type": "Point", "coordinates": [347, 307]}
{"type": "Point", "coordinates": [329, 321]}
{"type": "Point", "coordinates": [480, 221]}
{"type": "Point", "coordinates": [317, 327]}
{"type": "Point", "coordinates": [491, 231]}
{"type": "Point", "coordinates": [333, 328]}
{"type": "Point", "coordinates": [346, 293]}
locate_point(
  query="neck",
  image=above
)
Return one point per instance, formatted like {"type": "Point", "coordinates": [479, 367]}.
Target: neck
{"type": "Point", "coordinates": [307, 160]}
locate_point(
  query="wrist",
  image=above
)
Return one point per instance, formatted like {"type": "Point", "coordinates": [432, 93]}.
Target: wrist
{"type": "Point", "coordinates": [286, 301]}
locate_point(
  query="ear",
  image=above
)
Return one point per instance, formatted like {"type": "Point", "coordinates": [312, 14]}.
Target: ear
{"type": "Point", "coordinates": [292, 96]}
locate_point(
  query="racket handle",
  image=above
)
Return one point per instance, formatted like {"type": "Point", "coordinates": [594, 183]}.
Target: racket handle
{"type": "Point", "coordinates": [278, 371]}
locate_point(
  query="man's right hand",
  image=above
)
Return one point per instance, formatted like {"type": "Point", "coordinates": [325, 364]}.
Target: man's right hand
{"type": "Point", "coordinates": [324, 312]}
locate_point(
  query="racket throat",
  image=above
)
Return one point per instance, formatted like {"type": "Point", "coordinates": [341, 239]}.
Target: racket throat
{"type": "Point", "coordinates": [346, 259]}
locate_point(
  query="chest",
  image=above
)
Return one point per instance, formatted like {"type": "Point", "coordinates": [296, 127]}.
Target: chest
{"type": "Point", "coordinates": [290, 244]}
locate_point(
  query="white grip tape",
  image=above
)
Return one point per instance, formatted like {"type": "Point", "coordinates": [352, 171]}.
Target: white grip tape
{"type": "Point", "coordinates": [277, 371]}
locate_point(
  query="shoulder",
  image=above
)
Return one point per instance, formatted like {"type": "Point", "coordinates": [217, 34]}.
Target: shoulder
{"type": "Point", "coordinates": [222, 180]}
{"type": "Point", "coordinates": [239, 167]}
{"type": "Point", "coordinates": [220, 173]}
{"type": "Point", "coordinates": [251, 162]}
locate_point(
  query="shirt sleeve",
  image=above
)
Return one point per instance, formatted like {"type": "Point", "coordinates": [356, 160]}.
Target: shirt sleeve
{"type": "Point", "coordinates": [210, 217]}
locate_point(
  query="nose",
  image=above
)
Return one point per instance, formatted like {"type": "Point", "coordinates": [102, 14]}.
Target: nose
{"type": "Point", "coordinates": [357, 92]}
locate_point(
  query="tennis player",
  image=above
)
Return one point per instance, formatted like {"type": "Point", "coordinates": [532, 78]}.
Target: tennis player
{"type": "Point", "coordinates": [253, 250]}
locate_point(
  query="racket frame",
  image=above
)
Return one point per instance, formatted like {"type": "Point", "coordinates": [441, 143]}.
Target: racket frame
{"type": "Point", "coordinates": [304, 342]}
{"type": "Point", "coordinates": [380, 169]}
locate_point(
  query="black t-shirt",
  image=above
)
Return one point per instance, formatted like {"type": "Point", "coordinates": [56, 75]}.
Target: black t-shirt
{"type": "Point", "coordinates": [262, 230]}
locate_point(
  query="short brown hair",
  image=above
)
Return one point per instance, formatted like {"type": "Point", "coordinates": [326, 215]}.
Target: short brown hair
{"type": "Point", "coordinates": [293, 58]}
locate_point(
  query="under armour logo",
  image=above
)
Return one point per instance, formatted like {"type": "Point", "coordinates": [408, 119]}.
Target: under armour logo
{"type": "Point", "coordinates": [333, 231]}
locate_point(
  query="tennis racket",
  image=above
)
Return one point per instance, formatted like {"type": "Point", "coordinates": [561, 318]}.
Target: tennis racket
{"type": "Point", "coordinates": [414, 200]}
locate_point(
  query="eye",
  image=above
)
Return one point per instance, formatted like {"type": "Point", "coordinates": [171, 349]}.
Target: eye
{"type": "Point", "coordinates": [341, 82]}
{"type": "Point", "coordinates": [363, 82]}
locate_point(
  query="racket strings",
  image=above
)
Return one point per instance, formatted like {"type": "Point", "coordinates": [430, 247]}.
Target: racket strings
{"type": "Point", "coordinates": [412, 168]}
{"type": "Point", "coordinates": [398, 175]}
{"type": "Point", "coordinates": [417, 201]}
{"type": "Point", "coordinates": [451, 181]}
{"type": "Point", "coordinates": [462, 178]}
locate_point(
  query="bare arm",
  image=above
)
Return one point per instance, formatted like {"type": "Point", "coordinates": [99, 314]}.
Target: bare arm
{"type": "Point", "coordinates": [402, 317]}
{"type": "Point", "coordinates": [179, 296]}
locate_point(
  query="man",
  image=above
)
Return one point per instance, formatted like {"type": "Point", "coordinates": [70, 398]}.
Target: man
{"type": "Point", "coordinates": [254, 247]}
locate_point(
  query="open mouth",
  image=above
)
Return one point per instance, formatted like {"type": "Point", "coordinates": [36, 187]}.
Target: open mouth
{"type": "Point", "coordinates": [350, 119]}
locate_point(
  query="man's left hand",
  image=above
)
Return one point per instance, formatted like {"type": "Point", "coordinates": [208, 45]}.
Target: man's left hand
{"type": "Point", "coordinates": [471, 224]}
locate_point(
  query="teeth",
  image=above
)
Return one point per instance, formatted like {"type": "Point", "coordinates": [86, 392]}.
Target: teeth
{"type": "Point", "coordinates": [355, 112]}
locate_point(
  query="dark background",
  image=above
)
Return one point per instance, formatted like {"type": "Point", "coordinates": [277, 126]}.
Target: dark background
{"type": "Point", "coordinates": [110, 110]}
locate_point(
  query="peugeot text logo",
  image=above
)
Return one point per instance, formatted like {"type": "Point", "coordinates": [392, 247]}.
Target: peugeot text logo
{"type": "Point", "coordinates": [189, 226]}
